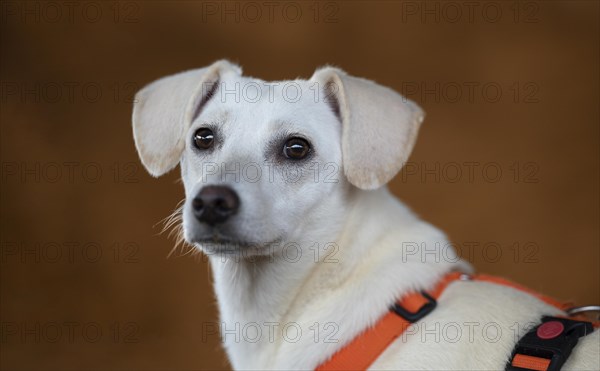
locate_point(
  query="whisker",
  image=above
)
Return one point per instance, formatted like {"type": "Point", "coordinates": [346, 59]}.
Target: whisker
{"type": "Point", "coordinates": [173, 223]}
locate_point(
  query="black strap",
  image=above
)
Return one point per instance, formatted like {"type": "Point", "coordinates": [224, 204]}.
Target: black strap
{"type": "Point", "coordinates": [416, 316]}
{"type": "Point", "coordinates": [552, 340]}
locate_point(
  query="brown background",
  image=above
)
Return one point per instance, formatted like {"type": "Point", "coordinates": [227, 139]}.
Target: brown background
{"type": "Point", "coordinates": [536, 223]}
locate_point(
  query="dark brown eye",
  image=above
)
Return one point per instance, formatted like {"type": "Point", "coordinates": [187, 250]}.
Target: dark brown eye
{"type": "Point", "coordinates": [296, 148]}
{"type": "Point", "coordinates": [204, 138]}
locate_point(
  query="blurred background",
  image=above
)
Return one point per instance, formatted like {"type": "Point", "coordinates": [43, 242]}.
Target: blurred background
{"type": "Point", "coordinates": [507, 162]}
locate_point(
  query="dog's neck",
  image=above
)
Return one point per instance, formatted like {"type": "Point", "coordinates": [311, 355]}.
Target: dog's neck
{"type": "Point", "coordinates": [377, 247]}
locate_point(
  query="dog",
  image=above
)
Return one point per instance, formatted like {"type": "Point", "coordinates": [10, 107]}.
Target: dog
{"type": "Point", "coordinates": [285, 186]}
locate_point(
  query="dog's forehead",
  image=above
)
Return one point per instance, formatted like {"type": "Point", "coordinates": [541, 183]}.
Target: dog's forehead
{"type": "Point", "coordinates": [235, 90]}
{"type": "Point", "coordinates": [252, 103]}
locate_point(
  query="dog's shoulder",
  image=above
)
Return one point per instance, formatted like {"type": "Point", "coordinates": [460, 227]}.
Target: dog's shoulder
{"type": "Point", "coordinates": [476, 326]}
{"type": "Point", "coordinates": [586, 355]}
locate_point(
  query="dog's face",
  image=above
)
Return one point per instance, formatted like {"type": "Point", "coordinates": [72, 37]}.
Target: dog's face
{"type": "Point", "coordinates": [263, 163]}
{"type": "Point", "coordinates": [266, 165]}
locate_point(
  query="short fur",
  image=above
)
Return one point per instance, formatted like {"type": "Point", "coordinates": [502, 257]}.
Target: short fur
{"type": "Point", "coordinates": [356, 242]}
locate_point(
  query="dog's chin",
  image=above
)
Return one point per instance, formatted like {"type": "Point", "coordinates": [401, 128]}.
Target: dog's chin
{"type": "Point", "coordinates": [221, 245]}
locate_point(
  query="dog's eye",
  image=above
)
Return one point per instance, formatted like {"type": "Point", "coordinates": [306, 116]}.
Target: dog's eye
{"type": "Point", "coordinates": [296, 148]}
{"type": "Point", "coordinates": [204, 138]}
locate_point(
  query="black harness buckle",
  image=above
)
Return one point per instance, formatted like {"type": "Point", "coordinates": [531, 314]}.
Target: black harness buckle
{"type": "Point", "coordinates": [553, 339]}
{"type": "Point", "coordinates": [413, 317]}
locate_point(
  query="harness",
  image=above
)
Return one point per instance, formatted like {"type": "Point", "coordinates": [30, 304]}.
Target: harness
{"type": "Point", "coordinates": [544, 348]}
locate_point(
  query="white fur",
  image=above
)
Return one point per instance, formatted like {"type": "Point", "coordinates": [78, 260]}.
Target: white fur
{"type": "Point", "coordinates": [373, 235]}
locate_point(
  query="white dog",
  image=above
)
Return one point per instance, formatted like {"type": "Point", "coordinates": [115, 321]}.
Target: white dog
{"type": "Point", "coordinates": [285, 192]}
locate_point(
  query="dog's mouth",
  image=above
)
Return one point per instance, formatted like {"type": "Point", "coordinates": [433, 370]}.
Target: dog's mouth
{"type": "Point", "coordinates": [218, 243]}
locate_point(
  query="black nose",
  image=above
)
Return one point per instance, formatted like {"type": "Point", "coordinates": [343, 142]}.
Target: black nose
{"type": "Point", "coordinates": [215, 204]}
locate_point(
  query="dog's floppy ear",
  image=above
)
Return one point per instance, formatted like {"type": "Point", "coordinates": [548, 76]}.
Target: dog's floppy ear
{"type": "Point", "coordinates": [164, 110]}
{"type": "Point", "coordinates": [379, 126]}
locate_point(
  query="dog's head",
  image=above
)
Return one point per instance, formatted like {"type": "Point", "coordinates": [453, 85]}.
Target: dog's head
{"type": "Point", "coordinates": [263, 162]}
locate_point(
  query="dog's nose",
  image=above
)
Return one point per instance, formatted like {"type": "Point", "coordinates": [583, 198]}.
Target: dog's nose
{"type": "Point", "coordinates": [215, 204]}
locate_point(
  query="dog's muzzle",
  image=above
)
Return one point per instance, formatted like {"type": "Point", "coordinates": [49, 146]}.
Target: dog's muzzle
{"type": "Point", "coordinates": [215, 204]}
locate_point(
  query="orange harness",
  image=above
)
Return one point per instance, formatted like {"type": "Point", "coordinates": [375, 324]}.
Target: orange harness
{"type": "Point", "coordinates": [361, 352]}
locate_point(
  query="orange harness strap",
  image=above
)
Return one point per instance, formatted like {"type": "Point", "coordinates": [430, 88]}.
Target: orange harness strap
{"type": "Point", "coordinates": [366, 347]}
{"type": "Point", "coordinates": [361, 352]}
{"type": "Point", "coordinates": [530, 362]}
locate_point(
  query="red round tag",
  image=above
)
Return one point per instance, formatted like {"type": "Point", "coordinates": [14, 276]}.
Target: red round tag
{"type": "Point", "coordinates": [550, 330]}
